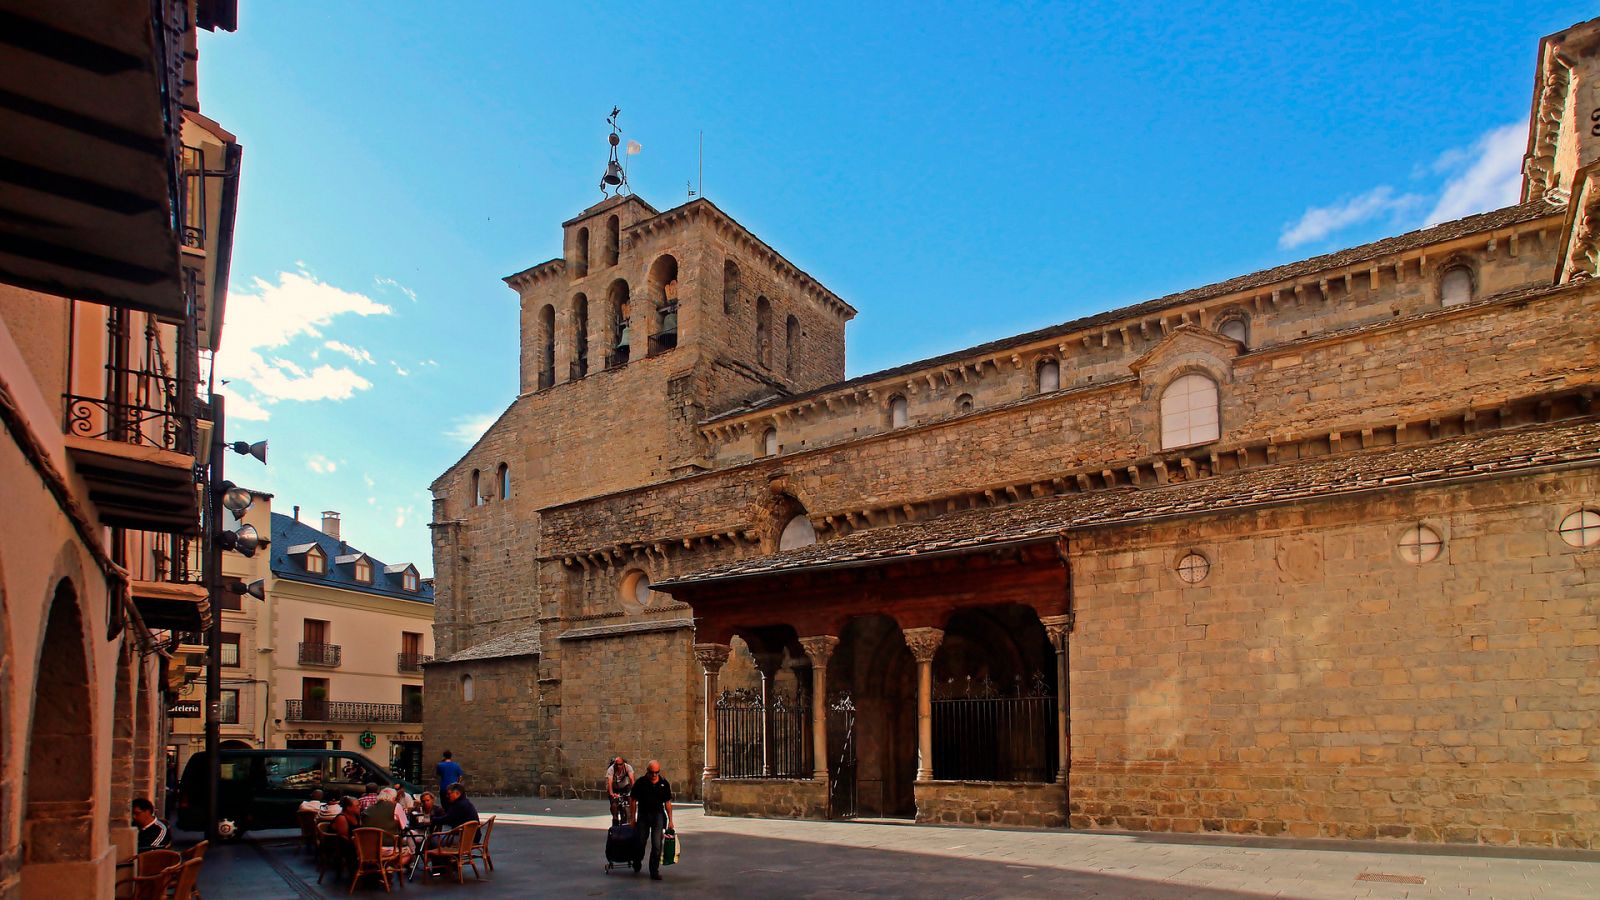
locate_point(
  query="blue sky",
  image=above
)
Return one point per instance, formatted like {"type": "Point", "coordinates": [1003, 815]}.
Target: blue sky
{"type": "Point", "coordinates": [958, 172]}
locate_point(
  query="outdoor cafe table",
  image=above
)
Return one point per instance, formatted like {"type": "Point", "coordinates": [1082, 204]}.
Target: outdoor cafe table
{"type": "Point", "coordinates": [421, 836]}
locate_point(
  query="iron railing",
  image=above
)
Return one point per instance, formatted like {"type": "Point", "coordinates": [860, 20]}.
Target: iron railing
{"type": "Point", "coordinates": [761, 740]}
{"type": "Point", "coordinates": [320, 654]}
{"type": "Point", "coordinates": [411, 662]}
{"type": "Point", "coordinates": [351, 711]}
{"type": "Point", "coordinates": [142, 402]}
{"type": "Point", "coordinates": [194, 197]}
{"type": "Point", "coordinates": [983, 733]}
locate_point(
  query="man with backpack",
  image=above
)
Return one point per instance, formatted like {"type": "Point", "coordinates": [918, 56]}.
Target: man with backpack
{"type": "Point", "coordinates": [619, 782]}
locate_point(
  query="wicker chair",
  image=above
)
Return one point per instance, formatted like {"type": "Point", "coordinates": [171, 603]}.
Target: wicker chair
{"type": "Point", "coordinates": [480, 847]}
{"type": "Point", "coordinates": [453, 849]}
{"type": "Point", "coordinates": [152, 861]}
{"type": "Point", "coordinates": [332, 851]}
{"type": "Point", "coordinates": [183, 886]}
{"type": "Point", "coordinates": [374, 856]}
{"type": "Point", "coordinates": [147, 887]}
{"type": "Point", "coordinates": [198, 851]}
{"type": "Point", "coordinates": [307, 820]}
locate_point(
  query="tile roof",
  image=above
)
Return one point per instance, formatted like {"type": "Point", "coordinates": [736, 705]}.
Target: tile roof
{"type": "Point", "coordinates": [517, 643]}
{"type": "Point", "coordinates": [293, 538]}
{"type": "Point", "coordinates": [1472, 456]}
{"type": "Point", "coordinates": [1445, 231]}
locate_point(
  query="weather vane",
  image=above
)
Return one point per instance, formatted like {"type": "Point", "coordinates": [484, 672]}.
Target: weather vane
{"type": "Point", "coordinates": [615, 176]}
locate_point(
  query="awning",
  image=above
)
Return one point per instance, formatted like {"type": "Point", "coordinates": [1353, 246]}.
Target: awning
{"type": "Point", "coordinates": [173, 607]}
{"type": "Point", "coordinates": [138, 486]}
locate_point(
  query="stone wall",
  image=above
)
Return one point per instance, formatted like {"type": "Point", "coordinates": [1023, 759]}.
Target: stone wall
{"type": "Point", "coordinates": [769, 798]}
{"type": "Point", "coordinates": [991, 803]}
{"type": "Point", "coordinates": [498, 736]}
{"type": "Point", "coordinates": [1316, 684]}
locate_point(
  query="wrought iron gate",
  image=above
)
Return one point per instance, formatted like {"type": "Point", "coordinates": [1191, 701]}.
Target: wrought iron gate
{"type": "Point", "coordinates": [842, 766]}
{"type": "Point", "coordinates": [982, 732]}
{"type": "Point", "coordinates": [760, 740]}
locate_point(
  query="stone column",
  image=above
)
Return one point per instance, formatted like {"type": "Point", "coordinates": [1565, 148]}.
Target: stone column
{"type": "Point", "coordinates": [711, 657]}
{"type": "Point", "coordinates": [767, 667]}
{"type": "Point", "coordinates": [819, 649]}
{"type": "Point", "coordinates": [924, 643]}
{"type": "Point", "coordinates": [1059, 628]}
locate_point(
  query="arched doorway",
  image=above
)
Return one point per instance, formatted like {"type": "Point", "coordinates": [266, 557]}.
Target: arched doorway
{"type": "Point", "coordinates": [875, 748]}
{"type": "Point", "coordinates": [61, 776]}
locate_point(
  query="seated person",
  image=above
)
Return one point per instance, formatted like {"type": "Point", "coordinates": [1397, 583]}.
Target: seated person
{"type": "Point", "coordinates": [426, 807]}
{"type": "Point", "coordinates": [153, 833]}
{"type": "Point", "coordinates": [314, 804]}
{"type": "Point", "coordinates": [370, 796]}
{"type": "Point", "coordinates": [458, 809]}
{"type": "Point", "coordinates": [387, 816]}
{"type": "Point", "coordinates": [406, 801]}
{"type": "Point", "coordinates": [619, 781]}
{"type": "Point", "coordinates": [349, 817]}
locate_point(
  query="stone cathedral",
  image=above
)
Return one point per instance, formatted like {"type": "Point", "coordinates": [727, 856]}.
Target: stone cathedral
{"type": "Point", "coordinates": [1314, 551]}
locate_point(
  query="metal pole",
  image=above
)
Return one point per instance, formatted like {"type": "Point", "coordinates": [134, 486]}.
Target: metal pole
{"type": "Point", "coordinates": [213, 563]}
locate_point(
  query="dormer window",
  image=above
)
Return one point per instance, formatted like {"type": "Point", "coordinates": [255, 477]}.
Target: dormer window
{"type": "Point", "coordinates": [407, 573]}
{"type": "Point", "coordinates": [409, 581]}
{"type": "Point", "coordinates": [363, 571]}
{"type": "Point", "coordinates": [310, 557]}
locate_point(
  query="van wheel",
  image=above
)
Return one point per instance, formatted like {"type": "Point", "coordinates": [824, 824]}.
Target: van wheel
{"type": "Point", "coordinates": [229, 830]}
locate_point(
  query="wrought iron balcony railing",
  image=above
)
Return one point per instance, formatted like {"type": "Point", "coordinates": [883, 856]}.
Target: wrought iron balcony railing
{"type": "Point", "coordinates": [351, 711]}
{"type": "Point", "coordinates": [320, 654]}
{"type": "Point", "coordinates": [411, 662]}
{"type": "Point", "coordinates": [194, 197]}
{"type": "Point", "coordinates": [142, 400]}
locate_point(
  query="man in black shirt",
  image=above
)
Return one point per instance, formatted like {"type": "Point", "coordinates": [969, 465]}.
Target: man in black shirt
{"type": "Point", "coordinates": [650, 807]}
{"type": "Point", "coordinates": [153, 833]}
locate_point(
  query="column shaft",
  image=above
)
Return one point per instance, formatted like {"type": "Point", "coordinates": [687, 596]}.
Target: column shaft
{"type": "Point", "coordinates": [924, 644]}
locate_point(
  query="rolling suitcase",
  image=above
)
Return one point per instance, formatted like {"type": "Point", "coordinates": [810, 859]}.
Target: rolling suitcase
{"type": "Point", "coordinates": [624, 847]}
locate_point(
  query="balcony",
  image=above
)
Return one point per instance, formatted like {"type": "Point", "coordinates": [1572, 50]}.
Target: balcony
{"type": "Point", "coordinates": [351, 711]}
{"type": "Point", "coordinates": [132, 435]}
{"type": "Point", "coordinates": [320, 654]}
{"type": "Point", "coordinates": [411, 663]}
{"type": "Point", "coordinates": [97, 222]}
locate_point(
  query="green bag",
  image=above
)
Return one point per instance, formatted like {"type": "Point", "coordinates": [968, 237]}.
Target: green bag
{"type": "Point", "coordinates": [671, 851]}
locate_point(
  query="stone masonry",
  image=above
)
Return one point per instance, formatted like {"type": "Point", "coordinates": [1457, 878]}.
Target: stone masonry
{"type": "Point", "coordinates": [1313, 681]}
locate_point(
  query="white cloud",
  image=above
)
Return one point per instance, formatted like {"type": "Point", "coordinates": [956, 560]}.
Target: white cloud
{"type": "Point", "coordinates": [400, 370]}
{"type": "Point", "coordinates": [243, 408]}
{"type": "Point", "coordinates": [269, 316]}
{"type": "Point", "coordinates": [356, 353]}
{"type": "Point", "coordinates": [366, 477]}
{"type": "Point", "coordinates": [1318, 222]}
{"type": "Point", "coordinates": [401, 514]}
{"type": "Point", "coordinates": [320, 464]}
{"type": "Point", "coordinates": [1487, 175]}
{"type": "Point", "coordinates": [468, 429]}
{"type": "Point", "coordinates": [380, 281]}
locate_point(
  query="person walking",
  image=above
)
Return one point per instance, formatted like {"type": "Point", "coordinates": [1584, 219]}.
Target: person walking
{"type": "Point", "coordinates": [650, 807]}
{"type": "Point", "coordinates": [449, 772]}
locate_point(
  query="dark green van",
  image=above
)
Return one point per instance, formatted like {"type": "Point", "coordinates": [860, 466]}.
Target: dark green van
{"type": "Point", "coordinates": [264, 788]}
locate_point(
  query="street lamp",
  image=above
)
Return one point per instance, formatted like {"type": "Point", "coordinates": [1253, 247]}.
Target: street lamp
{"type": "Point", "coordinates": [245, 540]}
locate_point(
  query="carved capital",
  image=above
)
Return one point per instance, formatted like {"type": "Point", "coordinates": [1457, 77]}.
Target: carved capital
{"type": "Point", "coordinates": [1058, 628]}
{"type": "Point", "coordinates": [819, 648]}
{"type": "Point", "coordinates": [924, 642]}
{"type": "Point", "coordinates": [712, 656]}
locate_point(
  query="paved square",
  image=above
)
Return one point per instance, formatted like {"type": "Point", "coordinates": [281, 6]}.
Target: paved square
{"type": "Point", "coordinates": [555, 848]}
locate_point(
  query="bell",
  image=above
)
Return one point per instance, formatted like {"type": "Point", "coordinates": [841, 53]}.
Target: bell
{"type": "Point", "coordinates": [622, 338]}
{"type": "Point", "coordinates": [613, 174]}
{"type": "Point", "coordinates": [669, 319]}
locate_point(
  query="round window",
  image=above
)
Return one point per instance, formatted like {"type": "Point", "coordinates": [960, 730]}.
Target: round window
{"type": "Point", "coordinates": [636, 587]}
{"type": "Point", "coordinates": [1582, 528]}
{"type": "Point", "coordinates": [1420, 544]}
{"type": "Point", "coordinates": [1193, 568]}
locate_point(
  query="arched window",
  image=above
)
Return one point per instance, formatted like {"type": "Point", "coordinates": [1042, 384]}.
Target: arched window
{"type": "Point", "coordinates": [898, 411]}
{"type": "Point", "coordinates": [619, 339]}
{"type": "Point", "coordinates": [662, 289]}
{"type": "Point", "coordinates": [477, 495]}
{"type": "Point", "coordinates": [466, 688]}
{"type": "Point", "coordinates": [763, 333]}
{"type": "Point", "coordinates": [799, 532]}
{"type": "Point", "coordinates": [1455, 286]}
{"type": "Point", "coordinates": [730, 286]}
{"type": "Point", "coordinates": [1235, 326]}
{"type": "Point", "coordinates": [580, 264]}
{"type": "Point", "coordinates": [769, 442]}
{"type": "Point", "coordinates": [791, 346]}
{"type": "Point", "coordinates": [613, 241]}
{"type": "Point", "coordinates": [1189, 412]}
{"type": "Point", "coordinates": [580, 336]}
{"type": "Point", "coordinates": [547, 346]}
{"type": "Point", "coordinates": [505, 482]}
{"type": "Point", "coordinates": [964, 403]}
{"type": "Point", "coordinates": [1049, 376]}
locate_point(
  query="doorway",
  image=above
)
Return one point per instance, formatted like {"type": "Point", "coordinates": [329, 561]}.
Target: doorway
{"type": "Point", "coordinates": [876, 672]}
